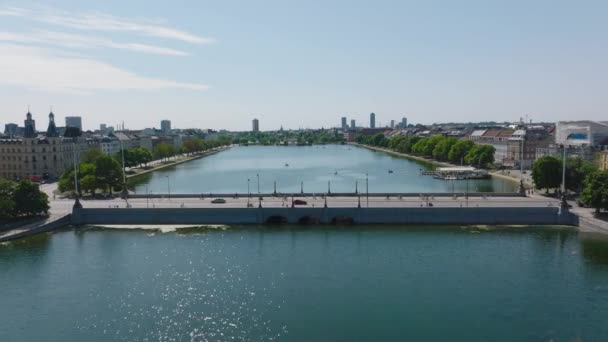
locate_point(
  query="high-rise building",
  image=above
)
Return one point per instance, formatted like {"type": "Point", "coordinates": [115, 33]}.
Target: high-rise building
{"type": "Point", "coordinates": [352, 124]}
{"type": "Point", "coordinates": [372, 120]}
{"type": "Point", "coordinates": [103, 128]}
{"type": "Point", "coordinates": [255, 125]}
{"type": "Point", "coordinates": [10, 129]}
{"type": "Point", "coordinates": [73, 121]}
{"type": "Point", "coordinates": [392, 123]}
{"type": "Point", "coordinates": [165, 126]}
{"type": "Point", "coordinates": [404, 123]}
{"type": "Point", "coordinates": [344, 124]}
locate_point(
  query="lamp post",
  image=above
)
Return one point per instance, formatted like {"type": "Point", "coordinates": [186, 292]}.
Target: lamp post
{"type": "Point", "coordinates": [124, 175]}
{"type": "Point", "coordinates": [302, 187]}
{"type": "Point", "coordinates": [367, 189]}
{"type": "Point", "coordinates": [147, 196]}
{"type": "Point", "coordinates": [258, 176]}
{"type": "Point", "coordinates": [248, 192]}
{"type": "Point", "coordinates": [356, 187]}
{"type": "Point", "coordinates": [168, 187]}
{"type": "Point", "coordinates": [564, 204]}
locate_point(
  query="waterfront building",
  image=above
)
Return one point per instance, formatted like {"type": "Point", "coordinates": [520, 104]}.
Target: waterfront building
{"type": "Point", "coordinates": [255, 125]}
{"type": "Point", "coordinates": [41, 156]}
{"type": "Point", "coordinates": [109, 145]}
{"type": "Point", "coordinates": [372, 120]}
{"type": "Point", "coordinates": [344, 124]}
{"type": "Point", "coordinates": [73, 121]}
{"type": "Point", "coordinates": [352, 124]}
{"type": "Point", "coordinates": [583, 133]}
{"type": "Point", "coordinates": [496, 137]}
{"type": "Point", "coordinates": [523, 145]}
{"type": "Point", "coordinates": [165, 126]}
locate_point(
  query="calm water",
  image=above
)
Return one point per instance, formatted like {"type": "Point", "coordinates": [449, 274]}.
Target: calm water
{"type": "Point", "coordinates": [314, 165]}
{"type": "Point", "coordinates": [305, 284]}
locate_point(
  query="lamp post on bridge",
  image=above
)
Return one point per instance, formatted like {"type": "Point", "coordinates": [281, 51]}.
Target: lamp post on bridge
{"type": "Point", "coordinates": [367, 189]}
{"type": "Point", "coordinates": [248, 192]}
{"type": "Point", "coordinates": [168, 187]}
{"type": "Point", "coordinates": [356, 186]}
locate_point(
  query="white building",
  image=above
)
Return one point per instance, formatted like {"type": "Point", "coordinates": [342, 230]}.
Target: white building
{"type": "Point", "coordinates": [581, 133]}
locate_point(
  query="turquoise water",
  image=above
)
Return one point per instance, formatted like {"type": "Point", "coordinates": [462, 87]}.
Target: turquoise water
{"type": "Point", "coordinates": [306, 284]}
{"type": "Point", "coordinates": [341, 165]}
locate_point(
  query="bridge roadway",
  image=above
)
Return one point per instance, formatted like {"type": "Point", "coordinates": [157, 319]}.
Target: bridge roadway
{"type": "Point", "coordinates": [316, 202]}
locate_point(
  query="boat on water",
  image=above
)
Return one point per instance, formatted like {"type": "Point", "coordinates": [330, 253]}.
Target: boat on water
{"type": "Point", "coordinates": [390, 171]}
{"type": "Point", "coordinates": [286, 165]}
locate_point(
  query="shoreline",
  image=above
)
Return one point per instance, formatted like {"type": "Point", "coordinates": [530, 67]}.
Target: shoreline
{"type": "Point", "coordinates": [177, 162]}
{"type": "Point", "coordinates": [434, 162]}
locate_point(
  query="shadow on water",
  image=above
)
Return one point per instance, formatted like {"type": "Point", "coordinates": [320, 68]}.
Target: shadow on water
{"type": "Point", "coordinates": [595, 248]}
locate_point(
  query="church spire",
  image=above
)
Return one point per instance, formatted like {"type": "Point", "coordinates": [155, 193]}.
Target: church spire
{"type": "Point", "coordinates": [51, 131]}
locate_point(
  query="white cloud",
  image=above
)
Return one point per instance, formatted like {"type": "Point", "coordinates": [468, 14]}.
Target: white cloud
{"type": "Point", "coordinates": [69, 40]}
{"type": "Point", "coordinates": [44, 69]}
{"type": "Point", "coordinates": [104, 22]}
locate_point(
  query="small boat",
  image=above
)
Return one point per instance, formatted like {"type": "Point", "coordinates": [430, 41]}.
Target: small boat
{"type": "Point", "coordinates": [336, 173]}
{"type": "Point", "coordinates": [286, 165]}
{"type": "Point", "coordinates": [390, 171]}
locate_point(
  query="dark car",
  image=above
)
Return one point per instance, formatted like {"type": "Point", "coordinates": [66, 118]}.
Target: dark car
{"type": "Point", "coordinates": [299, 202]}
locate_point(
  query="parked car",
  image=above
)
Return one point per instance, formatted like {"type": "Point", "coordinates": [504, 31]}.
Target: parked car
{"type": "Point", "coordinates": [219, 201]}
{"type": "Point", "coordinates": [299, 202]}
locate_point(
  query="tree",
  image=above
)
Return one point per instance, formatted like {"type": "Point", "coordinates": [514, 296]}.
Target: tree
{"type": "Point", "coordinates": [29, 200]}
{"type": "Point", "coordinates": [459, 150]}
{"type": "Point", "coordinates": [577, 170]}
{"type": "Point", "coordinates": [595, 192]}
{"type": "Point", "coordinates": [480, 155]}
{"type": "Point", "coordinates": [546, 173]}
{"type": "Point", "coordinates": [442, 149]}
{"type": "Point", "coordinates": [7, 201]}
{"type": "Point", "coordinates": [107, 172]}
{"type": "Point", "coordinates": [163, 150]}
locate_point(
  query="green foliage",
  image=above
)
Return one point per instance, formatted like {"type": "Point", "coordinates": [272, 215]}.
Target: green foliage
{"type": "Point", "coordinates": [459, 150]}
{"type": "Point", "coordinates": [480, 155]}
{"type": "Point", "coordinates": [546, 173]}
{"type": "Point", "coordinates": [164, 150]}
{"type": "Point", "coordinates": [7, 202]}
{"type": "Point", "coordinates": [29, 200]}
{"type": "Point", "coordinates": [577, 170]}
{"type": "Point", "coordinates": [595, 192]}
{"type": "Point", "coordinates": [282, 137]}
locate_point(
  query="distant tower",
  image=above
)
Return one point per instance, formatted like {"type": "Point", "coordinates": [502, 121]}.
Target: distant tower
{"type": "Point", "coordinates": [51, 131]}
{"type": "Point", "coordinates": [392, 123]}
{"type": "Point", "coordinates": [73, 121]}
{"type": "Point", "coordinates": [352, 124]}
{"type": "Point", "coordinates": [344, 124]}
{"type": "Point", "coordinates": [404, 123]}
{"type": "Point", "coordinates": [372, 120]}
{"type": "Point", "coordinates": [255, 125]}
{"type": "Point", "coordinates": [30, 126]}
{"type": "Point", "coordinates": [165, 126]}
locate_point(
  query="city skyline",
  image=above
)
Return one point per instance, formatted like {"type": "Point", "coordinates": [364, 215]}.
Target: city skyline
{"type": "Point", "coordinates": [109, 61]}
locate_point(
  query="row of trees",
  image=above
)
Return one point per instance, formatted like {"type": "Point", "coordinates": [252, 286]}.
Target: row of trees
{"type": "Point", "coordinates": [547, 173]}
{"type": "Point", "coordinates": [134, 157]}
{"type": "Point", "coordinates": [301, 138]}
{"type": "Point", "coordinates": [21, 199]}
{"type": "Point", "coordinates": [437, 147]}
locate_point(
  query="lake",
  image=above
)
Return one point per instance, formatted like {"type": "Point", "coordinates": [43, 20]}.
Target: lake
{"type": "Point", "coordinates": [323, 283]}
{"type": "Point", "coordinates": [341, 165]}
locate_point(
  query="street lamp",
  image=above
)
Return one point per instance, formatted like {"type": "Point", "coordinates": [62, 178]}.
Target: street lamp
{"type": "Point", "coordinates": [248, 192]}
{"type": "Point", "coordinates": [147, 196]}
{"type": "Point", "coordinates": [367, 189]}
{"type": "Point", "coordinates": [258, 175]}
{"type": "Point", "coordinates": [168, 187]}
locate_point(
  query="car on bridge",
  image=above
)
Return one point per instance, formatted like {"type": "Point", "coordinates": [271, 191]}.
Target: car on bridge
{"type": "Point", "coordinates": [299, 202]}
{"type": "Point", "coordinates": [218, 201]}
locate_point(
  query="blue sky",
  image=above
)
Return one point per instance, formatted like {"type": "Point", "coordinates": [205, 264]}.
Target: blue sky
{"type": "Point", "coordinates": [302, 63]}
